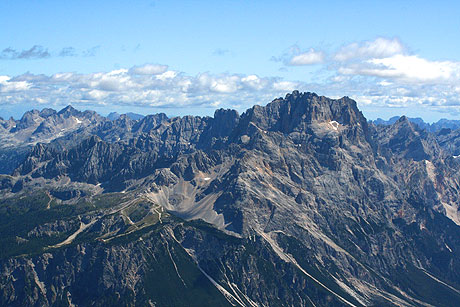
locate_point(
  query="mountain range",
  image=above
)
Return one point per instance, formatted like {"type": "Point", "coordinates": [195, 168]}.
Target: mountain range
{"type": "Point", "coordinates": [302, 202]}
{"type": "Point", "coordinates": [450, 124]}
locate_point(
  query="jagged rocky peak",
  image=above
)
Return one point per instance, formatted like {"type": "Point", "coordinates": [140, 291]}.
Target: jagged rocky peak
{"type": "Point", "coordinates": [30, 118]}
{"type": "Point", "coordinates": [134, 116]}
{"type": "Point", "coordinates": [225, 120]}
{"type": "Point", "coordinates": [7, 124]}
{"type": "Point", "coordinates": [113, 115]}
{"type": "Point", "coordinates": [226, 115]}
{"type": "Point", "coordinates": [124, 121]}
{"type": "Point", "coordinates": [130, 115]}
{"type": "Point", "coordinates": [69, 111]}
{"type": "Point", "coordinates": [403, 128]}
{"type": "Point", "coordinates": [297, 110]}
{"type": "Point", "coordinates": [47, 112]}
{"type": "Point", "coordinates": [150, 122]}
{"type": "Point", "coordinates": [91, 141]}
{"type": "Point", "coordinates": [406, 138]}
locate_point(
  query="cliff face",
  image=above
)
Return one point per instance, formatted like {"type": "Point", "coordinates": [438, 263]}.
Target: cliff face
{"type": "Point", "coordinates": [298, 203]}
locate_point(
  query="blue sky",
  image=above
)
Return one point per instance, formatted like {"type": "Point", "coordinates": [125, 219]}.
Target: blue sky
{"type": "Point", "coordinates": [191, 57]}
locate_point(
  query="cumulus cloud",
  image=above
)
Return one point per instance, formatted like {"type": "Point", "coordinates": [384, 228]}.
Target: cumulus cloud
{"type": "Point", "coordinates": [383, 72]}
{"type": "Point", "coordinates": [378, 48]}
{"type": "Point", "coordinates": [307, 58]}
{"type": "Point", "coordinates": [407, 68]}
{"type": "Point", "coordinates": [395, 81]}
{"type": "Point", "coordinates": [389, 61]}
{"type": "Point", "coordinates": [148, 69]}
{"type": "Point", "coordinates": [376, 73]}
{"type": "Point", "coordinates": [9, 86]}
{"type": "Point", "coordinates": [143, 86]}
{"type": "Point", "coordinates": [295, 56]}
{"type": "Point", "coordinates": [375, 49]}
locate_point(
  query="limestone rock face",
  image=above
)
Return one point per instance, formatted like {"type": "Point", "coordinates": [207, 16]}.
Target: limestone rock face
{"type": "Point", "coordinates": [301, 202]}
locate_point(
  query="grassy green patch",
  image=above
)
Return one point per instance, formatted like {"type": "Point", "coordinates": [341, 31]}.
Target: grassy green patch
{"type": "Point", "coordinates": [21, 214]}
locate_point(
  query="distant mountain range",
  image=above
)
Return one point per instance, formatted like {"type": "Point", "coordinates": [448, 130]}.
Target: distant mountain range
{"type": "Point", "coordinates": [302, 202]}
{"type": "Point", "coordinates": [133, 116]}
{"type": "Point", "coordinates": [434, 127]}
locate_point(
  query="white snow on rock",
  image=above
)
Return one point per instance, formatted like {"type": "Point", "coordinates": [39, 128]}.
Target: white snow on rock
{"type": "Point", "coordinates": [335, 125]}
{"type": "Point", "coordinates": [245, 139]}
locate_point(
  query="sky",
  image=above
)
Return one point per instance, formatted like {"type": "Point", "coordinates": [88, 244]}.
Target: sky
{"type": "Point", "coordinates": [192, 57]}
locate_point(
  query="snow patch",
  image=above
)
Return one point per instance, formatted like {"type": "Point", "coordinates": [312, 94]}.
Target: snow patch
{"type": "Point", "coordinates": [245, 139]}
{"type": "Point", "coordinates": [430, 170]}
{"type": "Point", "coordinates": [335, 125]}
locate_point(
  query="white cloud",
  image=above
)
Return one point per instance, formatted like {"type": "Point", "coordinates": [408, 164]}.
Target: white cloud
{"type": "Point", "coordinates": [406, 69]}
{"type": "Point", "coordinates": [383, 73]}
{"type": "Point", "coordinates": [95, 95]}
{"type": "Point", "coordinates": [9, 86]}
{"type": "Point", "coordinates": [307, 58]}
{"type": "Point", "coordinates": [148, 69]}
{"type": "Point", "coordinates": [286, 86]}
{"type": "Point", "coordinates": [294, 56]}
{"type": "Point", "coordinates": [167, 75]}
{"type": "Point", "coordinates": [136, 87]}
{"type": "Point", "coordinates": [377, 73]}
{"type": "Point", "coordinates": [378, 48]}
{"type": "Point", "coordinates": [416, 69]}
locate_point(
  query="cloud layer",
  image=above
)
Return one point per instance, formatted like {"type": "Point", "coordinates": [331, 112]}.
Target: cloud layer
{"type": "Point", "coordinates": [376, 73]}
{"type": "Point", "coordinates": [148, 85]}
{"type": "Point", "coordinates": [382, 72]}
